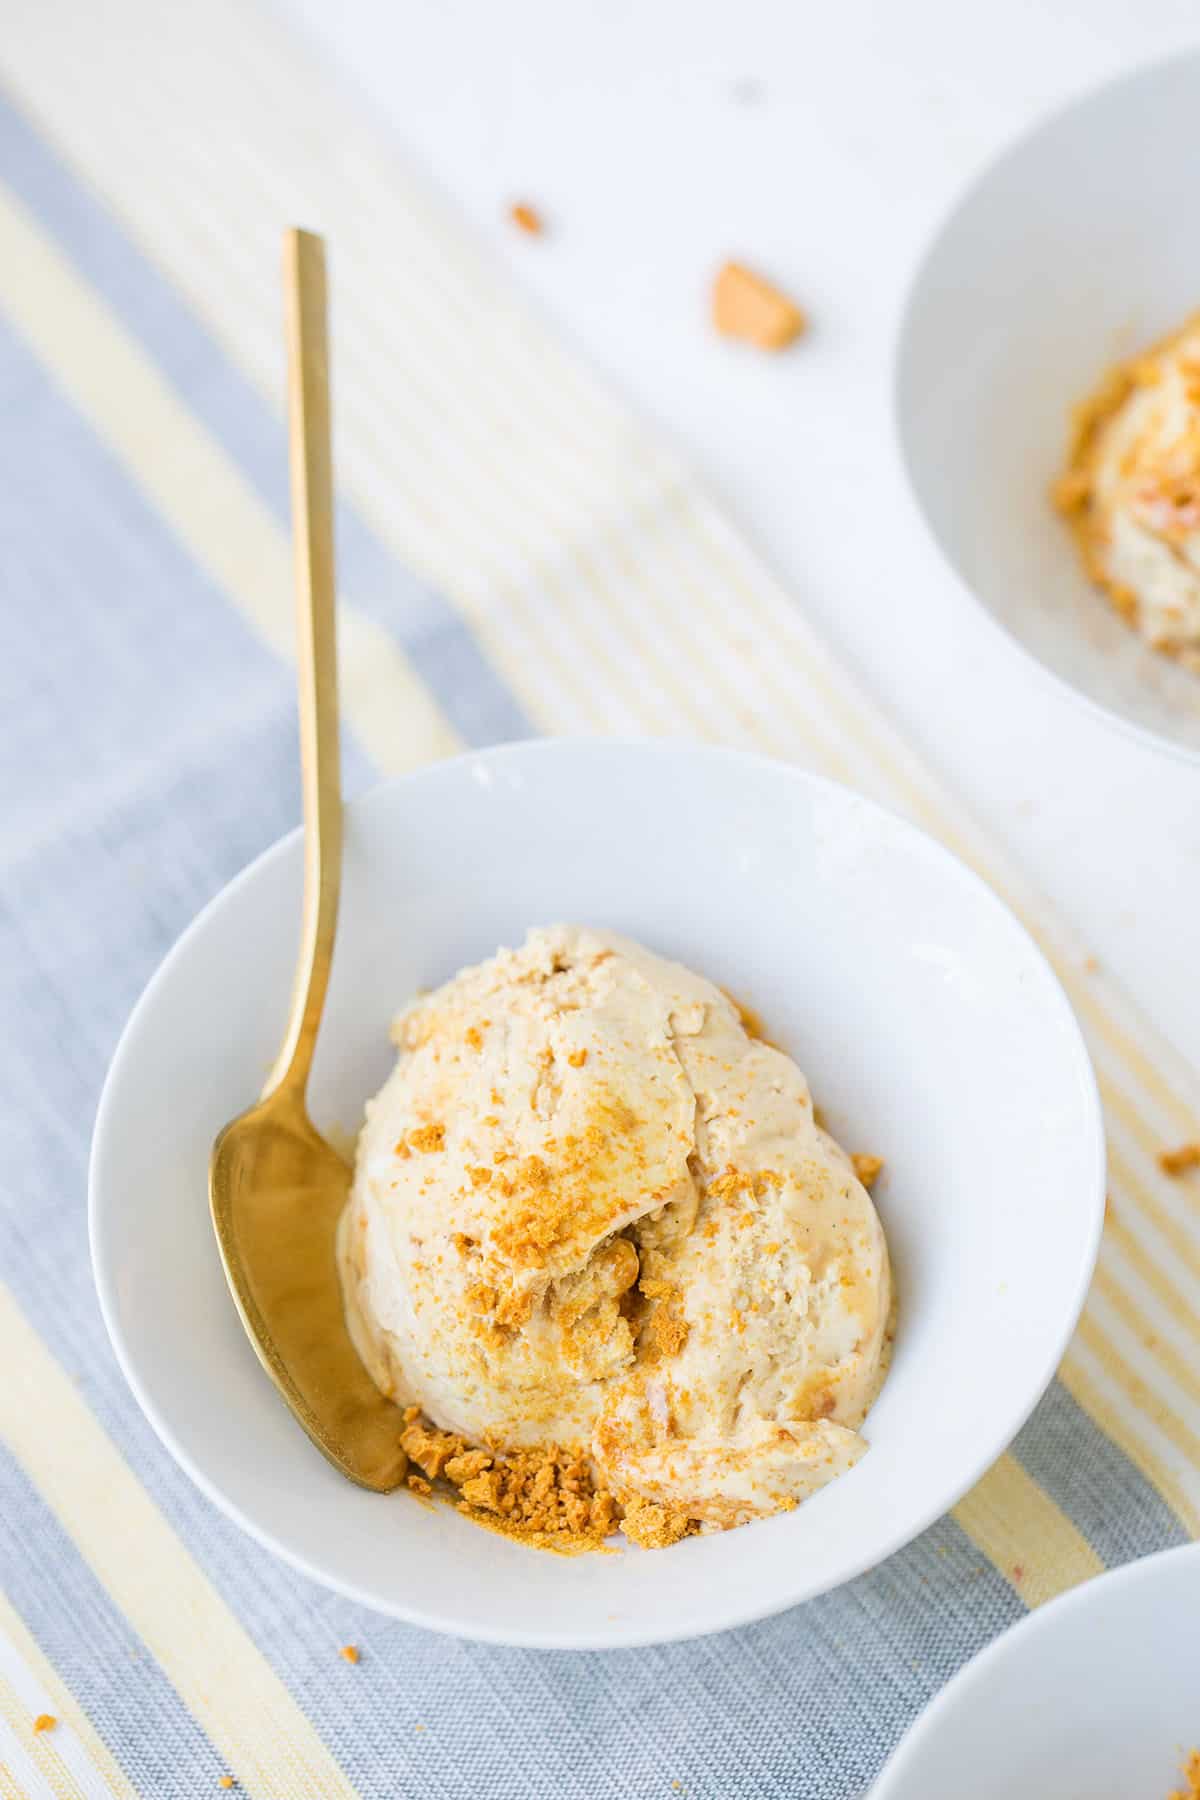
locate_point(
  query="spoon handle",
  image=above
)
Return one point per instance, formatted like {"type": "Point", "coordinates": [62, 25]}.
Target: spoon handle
{"type": "Point", "coordinates": [316, 647]}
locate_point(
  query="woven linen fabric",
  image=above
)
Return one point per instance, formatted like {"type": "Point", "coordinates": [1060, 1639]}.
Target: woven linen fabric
{"type": "Point", "coordinates": [517, 556]}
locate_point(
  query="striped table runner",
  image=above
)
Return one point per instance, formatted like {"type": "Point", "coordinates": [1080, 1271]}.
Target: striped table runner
{"type": "Point", "coordinates": [518, 556]}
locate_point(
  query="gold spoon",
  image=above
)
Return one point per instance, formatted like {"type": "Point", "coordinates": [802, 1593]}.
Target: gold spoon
{"type": "Point", "coordinates": [277, 1189]}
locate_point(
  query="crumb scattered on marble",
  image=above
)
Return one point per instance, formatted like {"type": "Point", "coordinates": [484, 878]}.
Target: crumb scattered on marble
{"type": "Point", "coordinates": [527, 218]}
{"type": "Point", "coordinates": [746, 305]}
{"type": "Point", "coordinates": [1179, 1160]}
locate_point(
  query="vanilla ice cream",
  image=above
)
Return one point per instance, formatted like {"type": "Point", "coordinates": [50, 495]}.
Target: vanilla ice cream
{"type": "Point", "coordinates": [591, 1211]}
{"type": "Point", "coordinates": [1132, 492]}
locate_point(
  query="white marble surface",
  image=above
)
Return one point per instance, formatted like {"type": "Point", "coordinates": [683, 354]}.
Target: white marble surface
{"type": "Point", "coordinates": [823, 143]}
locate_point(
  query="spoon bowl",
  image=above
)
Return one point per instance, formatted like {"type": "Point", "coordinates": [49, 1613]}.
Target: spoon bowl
{"type": "Point", "coordinates": [277, 1190]}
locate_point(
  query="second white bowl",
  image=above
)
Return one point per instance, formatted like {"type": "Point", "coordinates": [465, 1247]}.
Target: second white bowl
{"type": "Point", "coordinates": [1068, 254]}
{"type": "Point", "coordinates": [1095, 1697]}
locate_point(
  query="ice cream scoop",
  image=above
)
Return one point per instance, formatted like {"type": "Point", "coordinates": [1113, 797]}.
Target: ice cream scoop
{"type": "Point", "coordinates": [591, 1210]}
{"type": "Point", "coordinates": [1132, 492]}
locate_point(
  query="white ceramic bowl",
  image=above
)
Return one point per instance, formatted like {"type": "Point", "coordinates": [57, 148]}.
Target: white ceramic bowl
{"type": "Point", "coordinates": [1067, 254]}
{"type": "Point", "coordinates": [931, 1029]}
{"type": "Point", "coordinates": [1095, 1697]}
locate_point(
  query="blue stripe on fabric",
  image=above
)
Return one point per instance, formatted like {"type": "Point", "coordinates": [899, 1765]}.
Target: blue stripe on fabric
{"type": "Point", "coordinates": [1094, 1483]}
{"type": "Point", "coordinates": [120, 660]}
{"type": "Point", "coordinates": [440, 645]}
{"type": "Point", "coordinates": [805, 1706]}
{"type": "Point", "coordinates": [150, 1732]}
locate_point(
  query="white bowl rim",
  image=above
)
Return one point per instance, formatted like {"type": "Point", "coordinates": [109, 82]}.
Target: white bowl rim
{"type": "Point", "coordinates": [978, 1669]}
{"type": "Point", "coordinates": [635, 1635]}
{"type": "Point", "coordinates": [1148, 71]}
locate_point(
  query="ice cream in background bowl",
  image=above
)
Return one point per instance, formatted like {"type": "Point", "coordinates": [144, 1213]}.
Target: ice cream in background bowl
{"type": "Point", "coordinates": [595, 1218]}
{"type": "Point", "coordinates": [929, 1030]}
{"type": "Point", "coordinates": [1131, 491]}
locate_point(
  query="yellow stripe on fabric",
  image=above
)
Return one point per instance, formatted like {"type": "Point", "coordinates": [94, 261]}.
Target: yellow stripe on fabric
{"type": "Point", "coordinates": [1121, 1040]}
{"type": "Point", "coordinates": [1098, 1017]}
{"type": "Point", "coordinates": [756, 700]}
{"type": "Point", "coordinates": [1127, 1408]}
{"type": "Point", "coordinates": [215, 1667]}
{"type": "Point", "coordinates": [1153, 1136]}
{"type": "Point", "coordinates": [8, 1782]}
{"type": "Point", "coordinates": [1176, 1368]}
{"type": "Point", "coordinates": [846, 714]}
{"type": "Point", "coordinates": [1185, 1313]}
{"type": "Point", "coordinates": [199, 492]}
{"type": "Point", "coordinates": [45, 1691]}
{"type": "Point", "coordinates": [1087, 1393]}
{"type": "Point", "coordinates": [1144, 1397]}
{"type": "Point", "coordinates": [39, 1746]}
{"type": "Point", "coordinates": [1178, 1241]}
{"type": "Point", "coordinates": [1019, 1529]}
{"type": "Point", "coordinates": [22, 1777]}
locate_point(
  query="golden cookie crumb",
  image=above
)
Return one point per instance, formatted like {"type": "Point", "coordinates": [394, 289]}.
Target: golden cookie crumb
{"type": "Point", "coordinates": [544, 1496]}
{"type": "Point", "coordinates": [1191, 1775]}
{"type": "Point", "coordinates": [666, 1333]}
{"type": "Point", "coordinates": [527, 218]}
{"type": "Point", "coordinates": [577, 1058]}
{"type": "Point", "coordinates": [867, 1168]}
{"type": "Point", "coordinates": [350, 1653]}
{"type": "Point", "coordinates": [45, 1722]}
{"type": "Point", "coordinates": [747, 306]}
{"type": "Point", "coordinates": [1071, 491]}
{"type": "Point", "coordinates": [655, 1527]}
{"type": "Point", "coordinates": [226, 1781]}
{"type": "Point", "coordinates": [1180, 1160]}
{"type": "Point", "coordinates": [752, 1022]}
